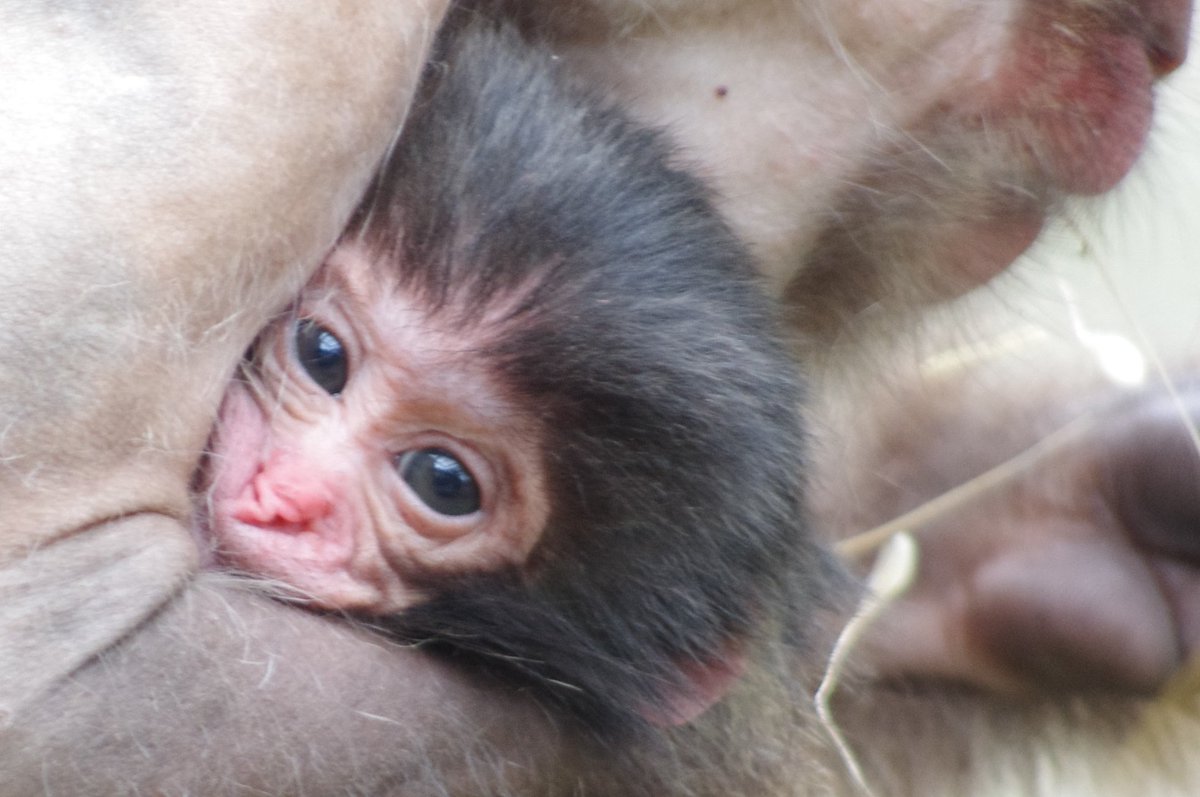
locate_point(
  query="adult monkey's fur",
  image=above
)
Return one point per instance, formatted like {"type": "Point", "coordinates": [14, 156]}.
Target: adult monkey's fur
{"type": "Point", "coordinates": [179, 175]}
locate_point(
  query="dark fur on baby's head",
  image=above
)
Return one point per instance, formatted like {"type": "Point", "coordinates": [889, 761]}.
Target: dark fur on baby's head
{"type": "Point", "coordinates": [615, 304]}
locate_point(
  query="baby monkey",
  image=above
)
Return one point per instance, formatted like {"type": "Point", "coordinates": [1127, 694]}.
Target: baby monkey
{"type": "Point", "coordinates": [532, 409]}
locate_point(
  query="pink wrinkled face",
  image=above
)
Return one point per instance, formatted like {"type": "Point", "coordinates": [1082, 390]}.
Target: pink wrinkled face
{"type": "Point", "coordinates": [368, 446]}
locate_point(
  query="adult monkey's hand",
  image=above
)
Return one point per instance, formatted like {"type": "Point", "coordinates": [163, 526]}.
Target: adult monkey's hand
{"type": "Point", "coordinates": [172, 173]}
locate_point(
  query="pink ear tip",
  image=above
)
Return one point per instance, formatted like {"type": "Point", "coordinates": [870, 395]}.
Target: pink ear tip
{"type": "Point", "coordinates": [706, 682]}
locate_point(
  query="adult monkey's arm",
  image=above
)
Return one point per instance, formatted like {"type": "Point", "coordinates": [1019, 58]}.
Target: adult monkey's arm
{"type": "Point", "coordinates": [224, 693]}
{"type": "Point", "coordinates": [171, 173]}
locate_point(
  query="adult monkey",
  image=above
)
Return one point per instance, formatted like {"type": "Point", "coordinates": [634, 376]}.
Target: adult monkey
{"type": "Point", "coordinates": [348, 746]}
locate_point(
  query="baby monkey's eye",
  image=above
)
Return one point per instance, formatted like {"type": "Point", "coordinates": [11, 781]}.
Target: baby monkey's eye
{"type": "Point", "coordinates": [321, 355]}
{"type": "Point", "coordinates": [442, 482]}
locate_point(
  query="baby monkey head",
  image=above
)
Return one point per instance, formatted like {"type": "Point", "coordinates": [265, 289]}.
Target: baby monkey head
{"type": "Point", "coordinates": [532, 410]}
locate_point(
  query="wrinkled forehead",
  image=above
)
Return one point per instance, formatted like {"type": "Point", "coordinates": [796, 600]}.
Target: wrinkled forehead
{"type": "Point", "coordinates": [410, 345]}
{"type": "Point", "coordinates": [471, 308]}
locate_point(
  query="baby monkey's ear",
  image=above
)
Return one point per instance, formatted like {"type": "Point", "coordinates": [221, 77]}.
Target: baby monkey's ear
{"type": "Point", "coordinates": [703, 684]}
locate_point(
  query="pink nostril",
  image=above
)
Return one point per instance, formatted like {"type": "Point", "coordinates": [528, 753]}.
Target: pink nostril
{"type": "Point", "coordinates": [283, 496]}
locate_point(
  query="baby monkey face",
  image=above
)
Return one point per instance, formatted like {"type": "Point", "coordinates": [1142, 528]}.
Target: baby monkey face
{"type": "Point", "coordinates": [367, 450]}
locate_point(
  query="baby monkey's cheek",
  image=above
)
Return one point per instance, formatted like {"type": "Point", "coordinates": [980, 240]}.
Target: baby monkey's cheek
{"type": "Point", "coordinates": [298, 520]}
{"type": "Point", "coordinates": [237, 446]}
